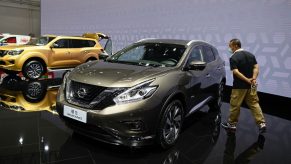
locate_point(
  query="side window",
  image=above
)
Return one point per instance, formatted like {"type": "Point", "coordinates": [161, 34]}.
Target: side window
{"type": "Point", "coordinates": [11, 40]}
{"type": "Point", "coordinates": [196, 54]}
{"type": "Point", "coordinates": [62, 43]}
{"type": "Point", "coordinates": [209, 55]}
{"type": "Point", "coordinates": [78, 43]}
{"type": "Point", "coordinates": [91, 43]}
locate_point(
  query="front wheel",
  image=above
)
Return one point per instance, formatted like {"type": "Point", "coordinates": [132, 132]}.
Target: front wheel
{"type": "Point", "coordinates": [171, 124]}
{"type": "Point", "coordinates": [33, 69]}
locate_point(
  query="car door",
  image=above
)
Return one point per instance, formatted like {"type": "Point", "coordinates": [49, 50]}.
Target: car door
{"type": "Point", "coordinates": [60, 54]}
{"type": "Point", "coordinates": [208, 85]}
{"type": "Point", "coordinates": [198, 77]}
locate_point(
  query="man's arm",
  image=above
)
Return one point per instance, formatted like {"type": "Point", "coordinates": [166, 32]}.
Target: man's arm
{"type": "Point", "coordinates": [238, 74]}
{"type": "Point", "coordinates": [255, 71]}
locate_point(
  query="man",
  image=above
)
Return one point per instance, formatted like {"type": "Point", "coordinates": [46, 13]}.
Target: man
{"type": "Point", "coordinates": [245, 71]}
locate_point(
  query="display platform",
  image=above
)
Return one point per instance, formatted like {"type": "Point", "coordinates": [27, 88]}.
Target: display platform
{"type": "Point", "coordinates": [31, 132]}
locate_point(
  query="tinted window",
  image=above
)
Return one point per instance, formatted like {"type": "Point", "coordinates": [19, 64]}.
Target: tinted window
{"type": "Point", "coordinates": [209, 56]}
{"type": "Point", "coordinates": [62, 43]}
{"type": "Point", "coordinates": [78, 43]}
{"type": "Point", "coordinates": [196, 54]}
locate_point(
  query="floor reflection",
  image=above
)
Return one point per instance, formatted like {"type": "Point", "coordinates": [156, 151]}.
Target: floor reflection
{"type": "Point", "coordinates": [31, 133]}
{"type": "Point", "coordinates": [28, 96]}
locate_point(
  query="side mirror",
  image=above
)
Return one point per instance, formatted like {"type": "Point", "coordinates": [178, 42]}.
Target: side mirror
{"type": "Point", "coordinates": [197, 65]}
{"type": "Point", "coordinates": [55, 45]}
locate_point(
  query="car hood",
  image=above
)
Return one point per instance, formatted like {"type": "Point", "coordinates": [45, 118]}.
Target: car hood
{"type": "Point", "coordinates": [115, 74]}
{"type": "Point", "coordinates": [11, 47]}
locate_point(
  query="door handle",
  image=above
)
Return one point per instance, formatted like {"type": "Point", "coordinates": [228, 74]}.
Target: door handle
{"type": "Point", "coordinates": [68, 53]}
{"type": "Point", "coordinates": [208, 75]}
{"type": "Point", "coordinates": [218, 68]}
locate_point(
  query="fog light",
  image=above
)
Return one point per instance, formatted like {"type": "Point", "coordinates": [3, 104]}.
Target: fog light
{"type": "Point", "coordinates": [134, 125]}
{"type": "Point", "coordinates": [11, 61]}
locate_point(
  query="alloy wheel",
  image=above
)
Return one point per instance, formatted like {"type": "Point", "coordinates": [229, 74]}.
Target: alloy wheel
{"type": "Point", "coordinates": [173, 123]}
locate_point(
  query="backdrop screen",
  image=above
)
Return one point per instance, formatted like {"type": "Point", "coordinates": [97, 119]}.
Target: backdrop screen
{"type": "Point", "coordinates": [264, 27]}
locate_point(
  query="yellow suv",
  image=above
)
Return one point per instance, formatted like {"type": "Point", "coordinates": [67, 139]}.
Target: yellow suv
{"type": "Point", "coordinates": [52, 52]}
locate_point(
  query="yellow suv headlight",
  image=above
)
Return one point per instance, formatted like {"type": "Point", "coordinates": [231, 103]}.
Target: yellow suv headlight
{"type": "Point", "coordinates": [15, 52]}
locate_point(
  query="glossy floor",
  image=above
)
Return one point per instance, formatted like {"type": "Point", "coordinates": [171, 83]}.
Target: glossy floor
{"type": "Point", "coordinates": [31, 132]}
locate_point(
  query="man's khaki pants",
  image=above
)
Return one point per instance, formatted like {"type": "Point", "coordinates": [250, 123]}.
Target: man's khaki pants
{"type": "Point", "coordinates": [251, 99]}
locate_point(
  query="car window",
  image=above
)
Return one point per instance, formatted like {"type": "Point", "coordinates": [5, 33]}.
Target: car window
{"type": "Point", "coordinates": [209, 56]}
{"type": "Point", "coordinates": [62, 43]}
{"type": "Point", "coordinates": [40, 41]}
{"type": "Point", "coordinates": [134, 54]}
{"type": "Point", "coordinates": [196, 54]}
{"type": "Point", "coordinates": [11, 40]}
{"type": "Point", "coordinates": [91, 43]}
{"type": "Point", "coordinates": [78, 43]}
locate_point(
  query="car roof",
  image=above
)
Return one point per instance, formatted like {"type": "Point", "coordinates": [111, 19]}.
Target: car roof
{"type": "Point", "coordinates": [70, 37]}
{"type": "Point", "coordinates": [171, 41]}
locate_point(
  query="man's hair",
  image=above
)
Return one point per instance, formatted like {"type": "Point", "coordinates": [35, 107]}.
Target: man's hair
{"type": "Point", "coordinates": [235, 42]}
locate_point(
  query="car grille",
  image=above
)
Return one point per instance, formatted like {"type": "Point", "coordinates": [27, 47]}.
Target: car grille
{"type": "Point", "coordinates": [91, 96]}
{"type": "Point", "coordinates": [3, 53]}
{"type": "Point", "coordinates": [2, 63]}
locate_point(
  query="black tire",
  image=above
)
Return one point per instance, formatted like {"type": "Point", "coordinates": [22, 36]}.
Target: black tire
{"type": "Point", "coordinates": [34, 91]}
{"type": "Point", "coordinates": [171, 124]}
{"type": "Point", "coordinates": [11, 80]}
{"type": "Point", "coordinates": [33, 69]}
{"type": "Point", "coordinates": [216, 103]}
{"type": "Point", "coordinates": [10, 72]}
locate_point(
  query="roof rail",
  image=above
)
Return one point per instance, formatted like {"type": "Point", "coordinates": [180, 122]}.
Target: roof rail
{"type": "Point", "coordinates": [145, 39]}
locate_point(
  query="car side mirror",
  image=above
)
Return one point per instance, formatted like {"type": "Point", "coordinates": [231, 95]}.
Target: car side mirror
{"type": "Point", "coordinates": [55, 45]}
{"type": "Point", "coordinates": [197, 65]}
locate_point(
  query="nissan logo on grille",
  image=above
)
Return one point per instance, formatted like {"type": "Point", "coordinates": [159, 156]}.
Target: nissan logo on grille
{"type": "Point", "coordinates": [82, 92]}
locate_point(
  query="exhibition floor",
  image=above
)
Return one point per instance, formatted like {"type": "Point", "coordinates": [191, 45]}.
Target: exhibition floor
{"type": "Point", "coordinates": [33, 133]}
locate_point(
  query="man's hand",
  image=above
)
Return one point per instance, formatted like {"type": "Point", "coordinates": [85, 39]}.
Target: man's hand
{"type": "Point", "coordinates": [254, 82]}
{"type": "Point", "coordinates": [237, 73]}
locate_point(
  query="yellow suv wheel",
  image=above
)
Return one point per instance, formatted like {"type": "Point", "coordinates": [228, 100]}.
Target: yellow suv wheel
{"type": "Point", "coordinates": [33, 69]}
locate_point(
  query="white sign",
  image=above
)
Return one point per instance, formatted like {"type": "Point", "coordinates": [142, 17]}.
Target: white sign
{"type": "Point", "coordinates": [75, 114]}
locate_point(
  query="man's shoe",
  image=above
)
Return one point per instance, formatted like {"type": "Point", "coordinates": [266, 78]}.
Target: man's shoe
{"type": "Point", "coordinates": [262, 128]}
{"type": "Point", "coordinates": [227, 126]}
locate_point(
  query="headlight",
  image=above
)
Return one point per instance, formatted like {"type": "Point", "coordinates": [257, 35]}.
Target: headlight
{"type": "Point", "coordinates": [136, 93]}
{"type": "Point", "coordinates": [66, 85]}
{"type": "Point", "coordinates": [15, 52]}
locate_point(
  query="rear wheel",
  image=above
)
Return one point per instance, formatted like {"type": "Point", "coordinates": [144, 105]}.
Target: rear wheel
{"type": "Point", "coordinates": [33, 69]}
{"type": "Point", "coordinates": [215, 104]}
{"type": "Point", "coordinates": [170, 125]}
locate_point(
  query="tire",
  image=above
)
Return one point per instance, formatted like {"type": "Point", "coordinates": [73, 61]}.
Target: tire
{"type": "Point", "coordinates": [215, 104]}
{"type": "Point", "coordinates": [171, 124]}
{"type": "Point", "coordinates": [10, 72]}
{"type": "Point", "coordinates": [11, 79]}
{"type": "Point", "coordinates": [33, 69]}
{"type": "Point", "coordinates": [34, 92]}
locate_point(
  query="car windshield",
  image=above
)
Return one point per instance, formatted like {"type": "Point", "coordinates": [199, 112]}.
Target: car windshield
{"type": "Point", "coordinates": [150, 54]}
{"type": "Point", "coordinates": [41, 41]}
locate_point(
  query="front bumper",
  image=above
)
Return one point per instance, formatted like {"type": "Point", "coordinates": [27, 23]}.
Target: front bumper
{"type": "Point", "coordinates": [9, 63]}
{"type": "Point", "coordinates": [110, 124]}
